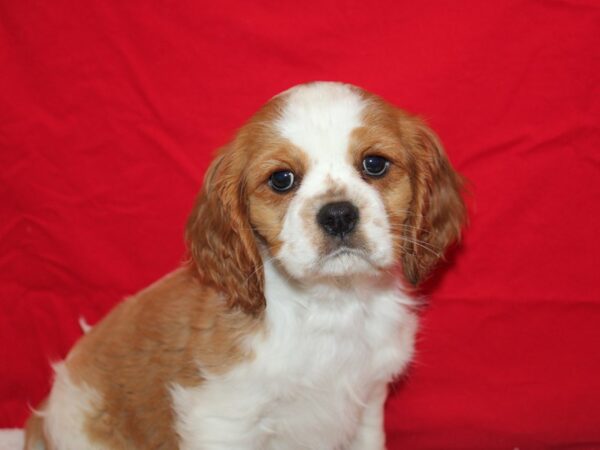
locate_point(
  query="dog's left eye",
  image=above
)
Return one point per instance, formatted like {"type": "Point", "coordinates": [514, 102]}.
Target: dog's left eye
{"type": "Point", "coordinates": [282, 180]}
{"type": "Point", "coordinates": [375, 166]}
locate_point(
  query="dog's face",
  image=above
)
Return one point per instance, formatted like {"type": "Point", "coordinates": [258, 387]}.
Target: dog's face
{"type": "Point", "coordinates": [330, 182]}
{"type": "Point", "coordinates": [332, 198]}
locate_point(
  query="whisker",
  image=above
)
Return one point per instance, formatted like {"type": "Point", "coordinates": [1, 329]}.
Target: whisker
{"type": "Point", "coordinates": [424, 245]}
{"type": "Point", "coordinates": [396, 226]}
{"type": "Point", "coordinates": [259, 267]}
{"type": "Point", "coordinates": [407, 212]}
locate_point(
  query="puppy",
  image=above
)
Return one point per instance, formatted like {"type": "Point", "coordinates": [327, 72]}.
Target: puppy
{"type": "Point", "coordinates": [294, 311]}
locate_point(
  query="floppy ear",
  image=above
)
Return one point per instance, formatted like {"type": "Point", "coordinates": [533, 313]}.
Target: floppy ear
{"type": "Point", "coordinates": [220, 238]}
{"type": "Point", "coordinates": [437, 210]}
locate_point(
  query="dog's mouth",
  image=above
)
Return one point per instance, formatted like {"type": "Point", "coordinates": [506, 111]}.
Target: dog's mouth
{"type": "Point", "coordinates": [344, 251]}
{"type": "Point", "coordinates": [345, 261]}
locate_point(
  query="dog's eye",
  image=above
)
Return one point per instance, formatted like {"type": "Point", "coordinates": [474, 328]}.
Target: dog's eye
{"type": "Point", "coordinates": [375, 166]}
{"type": "Point", "coordinates": [282, 180]}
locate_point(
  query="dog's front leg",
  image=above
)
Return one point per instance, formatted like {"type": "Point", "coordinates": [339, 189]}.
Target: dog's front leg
{"type": "Point", "coordinates": [370, 434]}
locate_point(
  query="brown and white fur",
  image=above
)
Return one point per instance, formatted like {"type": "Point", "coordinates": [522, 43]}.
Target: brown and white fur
{"type": "Point", "coordinates": [277, 334]}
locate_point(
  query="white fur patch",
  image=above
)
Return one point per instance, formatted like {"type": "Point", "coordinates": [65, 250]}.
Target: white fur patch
{"type": "Point", "coordinates": [325, 350]}
{"type": "Point", "coordinates": [68, 407]}
{"type": "Point", "coordinates": [319, 117]}
{"type": "Point", "coordinates": [84, 325]}
{"type": "Point", "coordinates": [11, 439]}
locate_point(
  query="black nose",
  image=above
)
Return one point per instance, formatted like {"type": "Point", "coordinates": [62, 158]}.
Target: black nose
{"type": "Point", "coordinates": [338, 218]}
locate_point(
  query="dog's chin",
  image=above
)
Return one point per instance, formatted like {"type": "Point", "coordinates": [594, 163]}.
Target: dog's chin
{"type": "Point", "coordinates": [345, 262]}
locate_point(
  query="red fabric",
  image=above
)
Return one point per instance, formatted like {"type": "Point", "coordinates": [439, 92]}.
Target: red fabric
{"type": "Point", "coordinates": [110, 110]}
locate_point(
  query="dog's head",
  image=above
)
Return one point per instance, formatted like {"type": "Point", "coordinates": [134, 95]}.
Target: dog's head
{"type": "Point", "coordinates": [330, 182]}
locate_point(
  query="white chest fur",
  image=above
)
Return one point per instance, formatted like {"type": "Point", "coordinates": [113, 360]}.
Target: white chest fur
{"type": "Point", "coordinates": [324, 351]}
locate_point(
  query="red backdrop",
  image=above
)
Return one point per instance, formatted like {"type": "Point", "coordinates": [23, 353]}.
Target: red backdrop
{"type": "Point", "coordinates": [109, 113]}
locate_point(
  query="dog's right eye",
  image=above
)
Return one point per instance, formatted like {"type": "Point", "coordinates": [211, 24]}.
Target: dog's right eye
{"type": "Point", "coordinates": [282, 180]}
{"type": "Point", "coordinates": [375, 166]}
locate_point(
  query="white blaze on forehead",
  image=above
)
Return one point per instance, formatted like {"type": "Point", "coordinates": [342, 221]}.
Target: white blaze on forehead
{"type": "Point", "coordinates": [319, 118]}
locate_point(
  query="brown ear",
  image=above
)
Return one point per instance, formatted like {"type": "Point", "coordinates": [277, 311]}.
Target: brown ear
{"type": "Point", "coordinates": [220, 238]}
{"type": "Point", "coordinates": [437, 210]}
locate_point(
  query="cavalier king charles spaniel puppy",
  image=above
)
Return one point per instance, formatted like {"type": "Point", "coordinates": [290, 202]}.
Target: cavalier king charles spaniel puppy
{"type": "Point", "coordinates": [294, 311]}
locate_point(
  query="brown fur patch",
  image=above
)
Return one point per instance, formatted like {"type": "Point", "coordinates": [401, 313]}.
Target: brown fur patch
{"type": "Point", "coordinates": [168, 333]}
{"type": "Point", "coordinates": [437, 208]}
{"type": "Point", "coordinates": [219, 235]}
